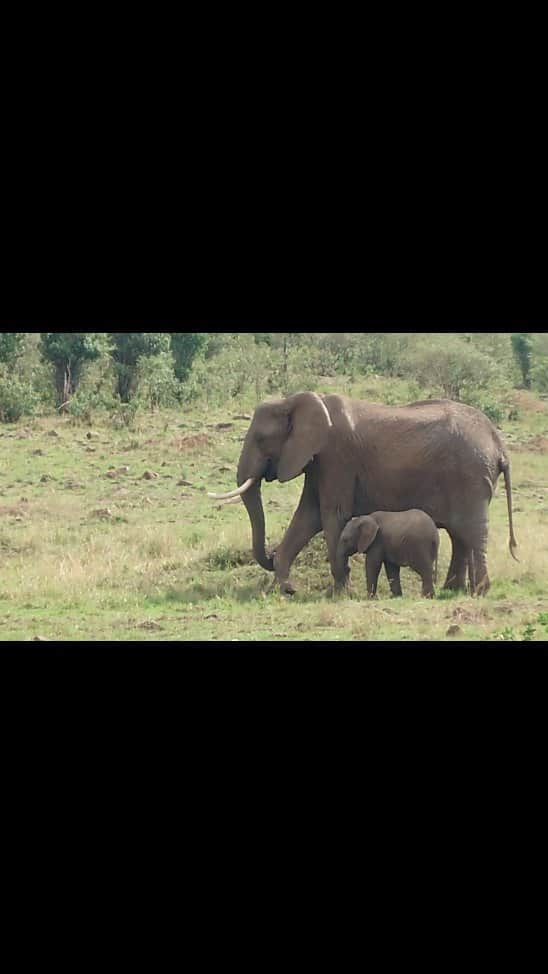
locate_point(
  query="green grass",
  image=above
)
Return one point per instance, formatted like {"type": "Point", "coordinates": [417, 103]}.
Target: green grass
{"type": "Point", "coordinates": [87, 556]}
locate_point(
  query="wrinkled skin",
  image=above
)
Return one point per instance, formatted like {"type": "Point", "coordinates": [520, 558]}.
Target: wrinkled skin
{"type": "Point", "coordinates": [439, 456]}
{"type": "Point", "coordinates": [395, 539]}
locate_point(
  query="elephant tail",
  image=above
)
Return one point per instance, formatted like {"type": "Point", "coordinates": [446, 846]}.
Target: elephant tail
{"type": "Point", "coordinates": [505, 468]}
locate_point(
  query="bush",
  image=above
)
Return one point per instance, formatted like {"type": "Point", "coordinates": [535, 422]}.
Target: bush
{"type": "Point", "coordinates": [17, 398]}
{"type": "Point", "coordinates": [495, 409]}
{"type": "Point", "coordinates": [240, 369]}
{"type": "Point", "coordinates": [156, 382]}
{"type": "Point", "coordinates": [539, 375]}
{"type": "Point", "coordinates": [124, 414]}
{"type": "Point", "coordinates": [88, 401]}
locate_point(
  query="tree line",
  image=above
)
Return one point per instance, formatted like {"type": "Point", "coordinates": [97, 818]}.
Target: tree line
{"type": "Point", "coordinates": [78, 371]}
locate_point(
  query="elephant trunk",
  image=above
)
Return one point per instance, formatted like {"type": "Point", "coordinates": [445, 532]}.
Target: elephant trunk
{"type": "Point", "coordinates": [254, 504]}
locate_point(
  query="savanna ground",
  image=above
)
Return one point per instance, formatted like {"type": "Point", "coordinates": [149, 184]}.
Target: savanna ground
{"type": "Point", "coordinates": [107, 533]}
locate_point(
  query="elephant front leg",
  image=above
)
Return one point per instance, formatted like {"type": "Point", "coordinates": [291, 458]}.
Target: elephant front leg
{"type": "Point", "coordinates": [306, 522]}
{"type": "Point", "coordinates": [373, 564]}
{"type": "Point", "coordinates": [333, 524]}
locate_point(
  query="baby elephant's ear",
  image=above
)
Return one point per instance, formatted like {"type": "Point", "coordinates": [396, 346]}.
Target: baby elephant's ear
{"type": "Point", "coordinates": [367, 533]}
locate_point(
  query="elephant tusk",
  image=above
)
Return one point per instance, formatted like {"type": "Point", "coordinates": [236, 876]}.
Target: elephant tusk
{"type": "Point", "coordinates": [233, 493]}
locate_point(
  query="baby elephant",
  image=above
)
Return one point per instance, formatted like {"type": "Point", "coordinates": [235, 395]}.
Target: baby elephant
{"type": "Point", "coordinates": [397, 538]}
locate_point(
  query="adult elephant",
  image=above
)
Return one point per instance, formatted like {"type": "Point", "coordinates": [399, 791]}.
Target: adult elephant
{"type": "Point", "coordinates": [357, 457]}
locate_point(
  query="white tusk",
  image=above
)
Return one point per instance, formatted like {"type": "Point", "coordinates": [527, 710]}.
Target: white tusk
{"type": "Point", "coordinates": [233, 493]}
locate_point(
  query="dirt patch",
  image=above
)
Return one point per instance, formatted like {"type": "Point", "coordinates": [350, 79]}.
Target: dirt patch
{"type": "Point", "coordinates": [13, 511]}
{"type": "Point", "coordinates": [528, 402]}
{"type": "Point", "coordinates": [189, 442]}
{"type": "Point", "coordinates": [537, 444]}
{"type": "Point", "coordinates": [473, 614]}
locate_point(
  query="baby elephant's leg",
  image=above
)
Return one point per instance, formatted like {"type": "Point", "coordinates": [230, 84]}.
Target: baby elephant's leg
{"type": "Point", "coordinates": [393, 575]}
{"type": "Point", "coordinates": [425, 572]}
{"type": "Point", "coordinates": [373, 564]}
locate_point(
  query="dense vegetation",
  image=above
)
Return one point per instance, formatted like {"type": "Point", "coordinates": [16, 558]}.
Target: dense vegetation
{"type": "Point", "coordinates": [122, 372]}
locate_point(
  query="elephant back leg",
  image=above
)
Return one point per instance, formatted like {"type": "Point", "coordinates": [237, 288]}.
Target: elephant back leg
{"type": "Point", "coordinates": [471, 571]}
{"type": "Point", "coordinates": [393, 575]}
{"type": "Point", "coordinates": [425, 572]}
{"type": "Point", "coordinates": [475, 537]}
{"type": "Point", "coordinates": [481, 581]}
{"type": "Point", "coordinates": [456, 573]}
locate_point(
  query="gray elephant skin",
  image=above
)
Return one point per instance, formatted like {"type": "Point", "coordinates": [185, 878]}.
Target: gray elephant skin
{"type": "Point", "coordinates": [437, 455]}
{"type": "Point", "coordinates": [395, 539]}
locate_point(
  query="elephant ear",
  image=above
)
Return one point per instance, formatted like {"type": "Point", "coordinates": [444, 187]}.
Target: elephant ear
{"type": "Point", "coordinates": [308, 423]}
{"type": "Point", "coordinates": [367, 533]}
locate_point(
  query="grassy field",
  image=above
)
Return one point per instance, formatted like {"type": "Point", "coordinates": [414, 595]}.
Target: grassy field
{"type": "Point", "coordinates": [108, 533]}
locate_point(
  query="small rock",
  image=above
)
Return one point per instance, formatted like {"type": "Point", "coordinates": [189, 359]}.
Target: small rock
{"type": "Point", "coordinates": [184, 483]}
{"type": "Point", "coordinates": [90, 449]}
{"type": "Point", "coordinates": [224, 426]}
{"type": "Point", "coordinates": [212, 615]}
{"type": "Point", "coordinates": [40, 639]}
{"type": "Point", "coordinates": [149, 475]}
{"type": "Point", "coordinates": [38, 453]}
{"type": "Point", "coordinates": [91, 435]}
{"type": "Point", "coordinates": [148, 500]}
{"type": "Point", "coordinates": [453, 630]}
{"type": "Point", "coordinates": [242, 416]}
{"type": "Point", "coordinates": [45, 477]}
{"type": "Point", "coordinates": [149, 624]}
{"type": "Point", "coordinates": [53, 433]}
{"type": "Point", "coordinates": [102, 512]}
{"type": "Point", "coordinates": [24, 500]}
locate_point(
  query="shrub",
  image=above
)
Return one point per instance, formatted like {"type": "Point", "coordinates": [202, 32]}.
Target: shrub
{"type": "Point", "coordinates": [124, 414]}
{"type": "Point", "coordinates": [539, 374]}
{"type": "Point", "coordinates": [17, 398]}
{"type": "Point", "coordinates": [240, 369]}
{"type": "Point", "coordinates": [156, 381]}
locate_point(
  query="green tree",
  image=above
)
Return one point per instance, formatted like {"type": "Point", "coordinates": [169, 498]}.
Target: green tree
{"type": "Point", "coordinates": [11, 346]}
{"type": "Point", "coordinates": [522, 346]}
{"type": "Point", "coordinates": [185, 347]}
{"type": "Point", "coordinates": [128, 347]}
{"type": "Point", "coordinates": [68, 353]}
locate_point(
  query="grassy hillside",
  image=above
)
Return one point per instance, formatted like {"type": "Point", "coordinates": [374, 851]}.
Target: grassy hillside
{"type": "Point", "coordinates": [108, 533]}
